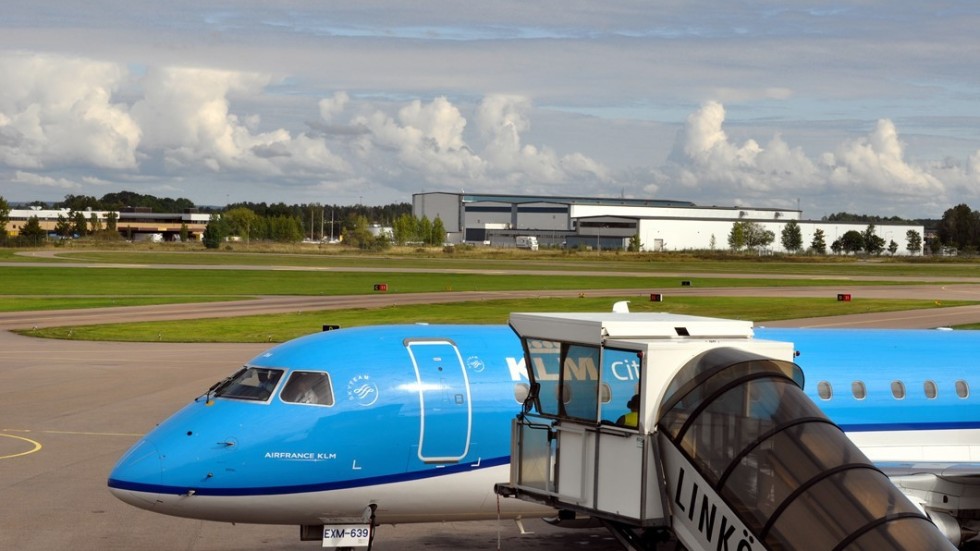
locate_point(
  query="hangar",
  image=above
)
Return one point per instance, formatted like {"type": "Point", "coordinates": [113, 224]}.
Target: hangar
{"type": "Point", "coordinates": [609, 223]}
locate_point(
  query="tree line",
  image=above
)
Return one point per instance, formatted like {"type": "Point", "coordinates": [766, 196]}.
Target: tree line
{"type": "Point", "coordinates": [754, 237]}
{"type": "Point", "coordinates": [355, 230]}
{"type": "Point", "coordinates": [118, 201]}
{"type": "Point", "coordinates": [284, 223]}
{"type": "Point", "coordinates": [958, 230]}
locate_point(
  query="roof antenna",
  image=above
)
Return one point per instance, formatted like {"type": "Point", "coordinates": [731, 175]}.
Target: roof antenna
{"type": "Point", "coordinates": [621, 307]}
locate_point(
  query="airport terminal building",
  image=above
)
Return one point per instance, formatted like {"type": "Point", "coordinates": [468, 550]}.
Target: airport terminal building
{"type": "Point", "coordinates": [609, 223]}
{"type": "Point", "coordinates": [134, 223]}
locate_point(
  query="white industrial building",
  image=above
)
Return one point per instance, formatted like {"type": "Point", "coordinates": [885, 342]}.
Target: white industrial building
{"type": "Point", "coordinates": [605, 223]}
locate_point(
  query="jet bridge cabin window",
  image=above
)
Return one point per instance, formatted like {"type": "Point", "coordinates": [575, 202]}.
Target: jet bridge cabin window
{"type": "Point", "coordinates": [591, 385]}
{"type": "Point", "coordinates": [621, 375]}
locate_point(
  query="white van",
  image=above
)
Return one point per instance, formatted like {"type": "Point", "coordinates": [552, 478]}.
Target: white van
{"type": "Point", "coordinates": [527, 242]}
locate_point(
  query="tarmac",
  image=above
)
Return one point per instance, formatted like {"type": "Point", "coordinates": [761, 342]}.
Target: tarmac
{"type": "Point", "coordinates": [70, 409]}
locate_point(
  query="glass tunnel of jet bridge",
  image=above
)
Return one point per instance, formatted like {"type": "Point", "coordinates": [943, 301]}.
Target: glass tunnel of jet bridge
{"type": "Point", "coordinates": [684, 428]}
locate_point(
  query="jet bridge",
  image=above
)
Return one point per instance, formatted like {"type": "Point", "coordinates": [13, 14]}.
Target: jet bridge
{"type": "Point", "coordinates": [688, 430]}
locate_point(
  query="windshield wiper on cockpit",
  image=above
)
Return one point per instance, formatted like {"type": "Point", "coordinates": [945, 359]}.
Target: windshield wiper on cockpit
{"type": "Point", "coordinates": [222, 384]}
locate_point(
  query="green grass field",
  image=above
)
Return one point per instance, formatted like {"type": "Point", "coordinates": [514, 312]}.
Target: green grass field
{"type": "Point", "coordinates": [29, 304]}
{"type": "Point", "coordinates": [282, 327]}
{"type": "Point", "coordinates": [488, 259]}
{"type": "Point", "coordinates": [209, 276]}
{"type": "Point", "coordinates": [65, 281]}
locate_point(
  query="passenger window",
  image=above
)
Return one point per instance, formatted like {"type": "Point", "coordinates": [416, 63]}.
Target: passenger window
{"type": "Point", "coordinates": [566, 394]}
{"type": "Point", "coordinates": [859, 390]}
{"type": "Point", "coordinates": [308, 387]}
{"type": "Point", "coordinates": [824, 390]}
{"type": "Point", "coordinates": [898, 390]}
{"type": "Point", "coordinates": [605, 393]}
{"type": "Point", "coordinates": [962, 389]}
{"type": "Point", "coordinates": [929, 387]}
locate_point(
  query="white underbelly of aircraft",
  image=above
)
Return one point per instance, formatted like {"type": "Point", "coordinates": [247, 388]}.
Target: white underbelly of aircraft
{"type": "Point", "coordinates": [456, 497]}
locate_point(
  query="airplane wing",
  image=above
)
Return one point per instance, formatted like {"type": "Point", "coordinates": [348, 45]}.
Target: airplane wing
{"type": "Point", "coordinates": [948, 492]}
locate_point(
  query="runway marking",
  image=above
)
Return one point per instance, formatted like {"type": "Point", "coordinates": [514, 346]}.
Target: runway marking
{"type": "Point", "coordinates": [37, 446]}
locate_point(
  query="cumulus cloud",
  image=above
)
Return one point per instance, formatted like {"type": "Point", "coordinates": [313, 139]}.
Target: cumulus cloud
{"type": "Point", "coordinates": [436, 142]}
{"type": "Point", "coordinates": [707, 162]}
{"type": "Point", "coordinates": [427, 138]}
{"type": "Point", "coordinates": [186, 114]}
{"type": "Point", "coordinates": [877, 163]}
{"type": "Point", "coordinates": [329, 107]}
{"type": "Point", "coordinates": [501, 120]}
{"type": "Point", "coordinates": [186, 111]}
{"type": "Point", "coordinates": [57, 111]}
{"type": "Point", "coordinates": [58, 117]}
{"type": "Point", "coordinates": [704, 156]}
{"type": "Point", "coordinates": [63, 127]}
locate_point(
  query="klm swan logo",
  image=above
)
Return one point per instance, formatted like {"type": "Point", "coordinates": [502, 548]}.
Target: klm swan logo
{"type": "Point", "coordinates": [362, 390]}
{"type": "Point", "coordinates": [475, 364]}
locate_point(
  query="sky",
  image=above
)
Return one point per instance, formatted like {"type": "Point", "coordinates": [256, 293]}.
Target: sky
{"type": "Point", "coordinates": [868, 107]}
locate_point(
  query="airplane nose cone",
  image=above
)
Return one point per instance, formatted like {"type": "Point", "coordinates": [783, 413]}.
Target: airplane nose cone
{"type": "Point", "coordinates": [138, 472]}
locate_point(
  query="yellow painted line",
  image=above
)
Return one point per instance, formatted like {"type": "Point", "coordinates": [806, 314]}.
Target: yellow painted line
{"type": "Point", "coordinates": [37, 446]}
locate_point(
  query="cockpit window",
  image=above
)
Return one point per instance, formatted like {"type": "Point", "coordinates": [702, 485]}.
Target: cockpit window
{"type": "Point", "coordinates": [308, 387]}
{"type": "Point", "coordinates": [253, 383]}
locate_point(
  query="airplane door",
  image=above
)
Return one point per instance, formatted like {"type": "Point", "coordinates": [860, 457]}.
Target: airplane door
{"type": "Point", "coordinates": [444, 399]}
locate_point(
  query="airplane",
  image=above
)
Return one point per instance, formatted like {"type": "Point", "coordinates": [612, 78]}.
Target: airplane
{"type": "Point", "coordinates": [412, 423]}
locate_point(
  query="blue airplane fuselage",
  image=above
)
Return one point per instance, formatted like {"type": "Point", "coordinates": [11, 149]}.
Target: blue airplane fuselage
{"type": "Point", "coordinates": [417, 413]}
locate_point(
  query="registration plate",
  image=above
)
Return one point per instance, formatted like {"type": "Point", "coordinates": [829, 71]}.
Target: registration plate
{"type": "Point", "coordinates": [346, 535]}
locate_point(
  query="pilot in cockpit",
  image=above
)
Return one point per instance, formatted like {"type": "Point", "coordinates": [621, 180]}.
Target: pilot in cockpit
{"type": "Point", "coordinates": [302, 389]}
{"type": "Point", "coordinates": [306, 394]}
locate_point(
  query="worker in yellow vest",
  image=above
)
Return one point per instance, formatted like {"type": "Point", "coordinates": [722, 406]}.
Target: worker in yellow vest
{"type": "Point", "coordinates": [631, 419]}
